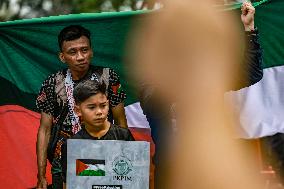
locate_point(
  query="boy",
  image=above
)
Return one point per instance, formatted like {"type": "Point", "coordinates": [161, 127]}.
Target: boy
{"type": "Point", "coordinates": [92, 105]}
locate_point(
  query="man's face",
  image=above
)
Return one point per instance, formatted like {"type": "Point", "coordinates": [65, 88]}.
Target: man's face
{"type": "Point", "coordinates": [77, 54]}
{"type": "Point", "coordinates": [94, 110]}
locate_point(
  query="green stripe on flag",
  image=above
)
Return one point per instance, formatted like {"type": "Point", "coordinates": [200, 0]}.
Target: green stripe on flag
{"type": "Point", "coordinates": [92, 173]}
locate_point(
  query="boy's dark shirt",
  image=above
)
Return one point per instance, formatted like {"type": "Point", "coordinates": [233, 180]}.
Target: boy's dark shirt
{"type": "Point", "coordinates": [114, 133]}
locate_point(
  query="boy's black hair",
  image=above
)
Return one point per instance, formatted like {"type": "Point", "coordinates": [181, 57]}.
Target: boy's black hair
{"type": "Point", "coordinates": [72, 32]}
{"type": "Point", "coordinates": [88, 88]}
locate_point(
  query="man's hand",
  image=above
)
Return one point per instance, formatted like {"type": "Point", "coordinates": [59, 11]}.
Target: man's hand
{"type": "Point", "coordinates": [41, 183]}
{"type": "Point", "coordinates": [248, 16]}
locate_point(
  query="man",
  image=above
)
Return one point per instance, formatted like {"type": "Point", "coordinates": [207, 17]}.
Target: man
{"type": "Point", "coordinates": [56, 103]}
{"type": "Point", "coordinates": [159, 113]}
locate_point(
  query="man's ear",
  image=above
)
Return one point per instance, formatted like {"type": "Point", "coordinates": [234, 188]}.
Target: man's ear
{"type": "Point", "coordinates": [61, 57]}
{"type": "Point", "coordinates": [77, 110]}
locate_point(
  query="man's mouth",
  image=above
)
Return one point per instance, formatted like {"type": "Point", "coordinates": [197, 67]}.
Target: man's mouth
{"type": "Point", "coordinates": [82, 64]}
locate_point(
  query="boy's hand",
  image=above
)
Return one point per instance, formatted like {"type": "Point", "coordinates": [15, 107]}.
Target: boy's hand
{"type": "Point", "coordinates": [248, 16]}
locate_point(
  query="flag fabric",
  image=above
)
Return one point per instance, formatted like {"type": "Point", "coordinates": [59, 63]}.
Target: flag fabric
{"type": "Point", "coordinates": [29, 54]}
{"type": "Point", "coordinates": [259, 109]}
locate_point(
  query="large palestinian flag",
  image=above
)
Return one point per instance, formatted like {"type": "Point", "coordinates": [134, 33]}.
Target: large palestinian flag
{"type": "Point", "coordinates": [29, 54]}
{"type": "Point", "coordinates": [259, 109]}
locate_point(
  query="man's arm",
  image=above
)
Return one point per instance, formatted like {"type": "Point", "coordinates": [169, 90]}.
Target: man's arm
{"type": "Point", "coordinates": [247, 16]}
{"type": "Point", "coordinates": [116, 98]}
{"type": "Point", "coordinates": [64, 162]}
{"type": "Point", "coordinates": [251, 71]}
{"type": "Point", "coordinates": [119, 116]}
{"type": "Point", "coordinates": [41, 148]}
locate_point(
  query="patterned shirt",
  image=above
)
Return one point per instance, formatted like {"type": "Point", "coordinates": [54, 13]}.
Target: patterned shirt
{"type": "Point", "coordinates": [52, 99]}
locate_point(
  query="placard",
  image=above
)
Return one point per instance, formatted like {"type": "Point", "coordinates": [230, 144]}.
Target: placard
{"type": "Point", "coordinates": [107, 164]}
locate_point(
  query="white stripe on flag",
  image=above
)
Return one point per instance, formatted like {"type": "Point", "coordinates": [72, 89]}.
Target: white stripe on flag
{"type": "Point", "coordinates": [135, 116]}
{"type": "Point", "coordinates": [96, 167]}
{"type": "Point", "coordinates": [259, 109]}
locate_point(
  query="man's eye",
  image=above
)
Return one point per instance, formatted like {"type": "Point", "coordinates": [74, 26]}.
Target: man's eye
{"type": "Point", "coordinates": [85, 50]}
{"type": "Point", "coordinates": [72, 53]}
{"type": "Point", "coordinates": [91, 107]}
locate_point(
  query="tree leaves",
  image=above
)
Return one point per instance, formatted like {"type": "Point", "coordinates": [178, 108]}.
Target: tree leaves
{"type": "Point", "coordinates": [20, 9]}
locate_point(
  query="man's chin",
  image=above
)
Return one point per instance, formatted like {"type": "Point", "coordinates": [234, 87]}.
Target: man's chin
{"type": "Point", "coordinates": [83, 67]}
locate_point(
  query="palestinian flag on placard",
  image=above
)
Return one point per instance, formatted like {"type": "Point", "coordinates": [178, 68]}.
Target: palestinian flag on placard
{"type": "Point", "coordinates": [90, 167]}
{"type": "Point", "coordinates": [29, 54]}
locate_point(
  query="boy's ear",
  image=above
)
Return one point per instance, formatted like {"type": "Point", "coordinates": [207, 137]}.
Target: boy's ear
{"type": "Point", "coordinates": [77, 110]}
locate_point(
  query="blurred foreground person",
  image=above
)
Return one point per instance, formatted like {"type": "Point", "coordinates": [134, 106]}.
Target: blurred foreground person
{"type": "Point", "coordinates": [191, 54]}
{"type": "Point", "coordinates": [159, 113]}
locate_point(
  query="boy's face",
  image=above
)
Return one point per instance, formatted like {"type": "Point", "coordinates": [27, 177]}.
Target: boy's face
{"type": "Point", "coordinates": [77, 54]}
{"type": "Point", "coordinates": [93, 110]}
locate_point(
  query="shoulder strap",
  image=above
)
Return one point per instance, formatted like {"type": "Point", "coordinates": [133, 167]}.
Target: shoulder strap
{"type": "Point", "coordinates": [105, 76]}
{"type": "Point", "coordinates": [102, 74]}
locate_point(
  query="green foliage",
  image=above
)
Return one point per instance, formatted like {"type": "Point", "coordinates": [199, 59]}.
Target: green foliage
{"type": "Point", "coordinates": [79, 6]}
{"type": "Point", "coordinates": [41, 8]}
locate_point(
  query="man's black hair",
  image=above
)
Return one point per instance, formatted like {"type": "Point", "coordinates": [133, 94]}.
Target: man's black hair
{"type": "Point", "coordinates": [88, 88]}
{"type": "Point", "coordinates": [72, 32]}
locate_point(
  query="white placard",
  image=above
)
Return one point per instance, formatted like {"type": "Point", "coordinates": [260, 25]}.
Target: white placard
{"type": "Point", "coordinates": [113, 164]}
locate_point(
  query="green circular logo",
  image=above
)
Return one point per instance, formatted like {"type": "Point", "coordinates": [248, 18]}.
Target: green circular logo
{"type": "Point", "coordinates": [122, 165]}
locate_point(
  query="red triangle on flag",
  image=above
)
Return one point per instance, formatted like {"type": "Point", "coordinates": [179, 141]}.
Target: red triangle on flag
{"type": "Point", "coordinates": [80, 166]}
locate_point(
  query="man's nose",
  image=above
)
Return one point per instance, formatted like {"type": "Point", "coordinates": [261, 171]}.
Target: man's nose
{"type": "Point", "coordinates": [80, 56]}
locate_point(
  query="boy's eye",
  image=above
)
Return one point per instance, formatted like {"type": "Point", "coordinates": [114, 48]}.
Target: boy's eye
{"type": "Point", "coordinates": [91, 107]}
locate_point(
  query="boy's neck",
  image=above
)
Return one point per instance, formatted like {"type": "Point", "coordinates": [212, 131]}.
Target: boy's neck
{"type": "Point", "coordinates": [98, 132]}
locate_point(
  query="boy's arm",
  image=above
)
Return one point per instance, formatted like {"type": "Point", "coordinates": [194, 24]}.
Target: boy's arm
{"type": "Point", "coordinates": [41, 148]}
